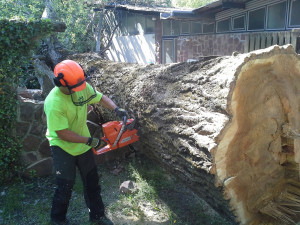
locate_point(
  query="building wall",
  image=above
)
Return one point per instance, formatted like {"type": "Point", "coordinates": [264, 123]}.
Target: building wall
{"type": "Point", "coordinates": [158, 38]}
{"type": "Point", "coordinates": [133, 49]}
{"type": "Point", "coordinates": [195, 47]}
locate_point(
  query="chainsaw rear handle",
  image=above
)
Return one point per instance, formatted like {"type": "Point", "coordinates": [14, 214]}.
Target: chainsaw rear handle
{"type": "Point", "coordinates": [132, 125]}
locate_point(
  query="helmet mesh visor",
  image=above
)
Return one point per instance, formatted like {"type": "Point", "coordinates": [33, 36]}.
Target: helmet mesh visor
{"type": "Point", "coordinates": [80, 98]}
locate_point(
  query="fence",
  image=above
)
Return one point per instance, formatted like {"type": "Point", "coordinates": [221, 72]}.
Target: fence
{"type": "Point", "coordinates": [256, 41]}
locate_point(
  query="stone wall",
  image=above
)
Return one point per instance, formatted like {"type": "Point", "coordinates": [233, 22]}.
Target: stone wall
{"type": "Point", "coordinates": [195, 47]}
{"type": "Point", "coordinates": [31, 128]}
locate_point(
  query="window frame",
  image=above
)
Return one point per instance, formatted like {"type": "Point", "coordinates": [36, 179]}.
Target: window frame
{"type": "Point", "coordinates": [135, 30]}
{"type": "Point", "coordinates": [248, 13]}
{"type": "Point", "coordinates": [238, 16]}
{"type": "Point", "coordinates": [290, 16]}
{"type": "Point", "coordinates": [146, 24]}
{"type": "Point", "coordinates": [267, 16]}
{"type": "Point", "coordinates": [193, 23]}
{"type": "Point", "coordinates": [214, 29]}
{"type": "Point", "coordinates": [163, 28]}
{"type": "Point", "coordinates": [174, 49]}
{"type": "Point", "coordinates": [181, 25]}
{"type": "Point", "coordinates": [229, 26]}
{"type": "Point", "coordinates": [172, 34]}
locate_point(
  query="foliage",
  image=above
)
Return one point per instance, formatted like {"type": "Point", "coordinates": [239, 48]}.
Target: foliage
{"type": "Point", "coordinates": [29, 9]}
{"type": "Point", "coordinates": [78, 16]}
{"type": "Point", "coordinates": [17, 39]}
{"type": "Point", "coordinates": [191, 3]}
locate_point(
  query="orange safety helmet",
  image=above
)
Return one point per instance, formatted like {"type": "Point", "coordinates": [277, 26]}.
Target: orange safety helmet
{"type": "Point", "coordinates": [69, 73]}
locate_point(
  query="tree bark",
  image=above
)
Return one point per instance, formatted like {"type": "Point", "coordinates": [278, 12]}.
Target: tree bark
{"type": "Point", "coordinates": [226, 126]}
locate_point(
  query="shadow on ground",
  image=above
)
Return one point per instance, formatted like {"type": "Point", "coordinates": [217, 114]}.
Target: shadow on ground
{"type": "Point", "coordinates": [158, 198]}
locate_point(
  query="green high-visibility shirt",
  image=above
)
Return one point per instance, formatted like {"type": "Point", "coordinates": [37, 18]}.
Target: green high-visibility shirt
{"type": "Point", "coordinates": [62, 114]}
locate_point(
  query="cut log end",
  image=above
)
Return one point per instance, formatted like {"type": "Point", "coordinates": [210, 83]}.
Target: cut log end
{"type": "Point", "coordinates": [257, 159]}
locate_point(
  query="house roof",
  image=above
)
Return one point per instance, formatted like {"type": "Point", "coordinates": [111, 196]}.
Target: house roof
{"type": "Point", "coordinates": [206, 12]}
{"type": "Point", "coordinates": [220, 5]}
{"type": "Point", "coordinates": [145, 9]}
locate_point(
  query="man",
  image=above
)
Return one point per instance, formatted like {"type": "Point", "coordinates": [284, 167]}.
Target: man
{"type": "Point", "coordinates": [70, 141]}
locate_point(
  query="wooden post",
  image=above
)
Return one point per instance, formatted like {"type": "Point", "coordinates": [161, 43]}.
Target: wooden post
{"type": "Point", "coordinates": [269, 40]}
{"type": "Point", "coordinates": [247, 43]}
{"type": "Point", "coordinates": [294, 36]}
{"type": "Point", "coordinates": [263, 39]}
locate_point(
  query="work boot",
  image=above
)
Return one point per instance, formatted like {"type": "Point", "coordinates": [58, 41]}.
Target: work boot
{"type": "Point", "coordinates": [102, 221]}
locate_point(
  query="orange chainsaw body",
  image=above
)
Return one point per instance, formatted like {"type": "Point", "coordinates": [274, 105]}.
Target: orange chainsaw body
{"type": "Point", "coordinates": [111, 132]}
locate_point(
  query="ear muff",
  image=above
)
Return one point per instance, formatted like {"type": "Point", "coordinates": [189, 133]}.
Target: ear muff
{"type": "Point", "coordinates": [56, 80]}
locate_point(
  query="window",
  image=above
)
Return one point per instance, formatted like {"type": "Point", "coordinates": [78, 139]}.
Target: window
{"type": "Point", "coordinates": [150, 25]}
{"type": "Point", "coordinates": [257, 19]}
{"type": "Point", "coordinates": [208, 28]}
{"type": "Point", "coordinates": [140, 24]}
{"type": "Point", "coordinates": [168, 51]}
{"type": "Point", "coordinates": [123, 24]}
{"type": "Point", "coordinates": [276, 16]}
{"type": "Point", "coordinates": [131, 28]}
{"type": "Point", "coordinates": [196, 28]}
{"type": "Point", "coordinates": [185, 27]}
{"type": "Point", "coordinates": [171, 27]}
{"type": "Point", "coordinates": [166, 27]}
{"type": "Point", "coordinates": [238, 23]}
{"type": "Point", "coordinates": [295, 15]}
{"type": "Point", "coordinates": [175, 27]}
{"type": "Point", "coordinates": [223, 26]}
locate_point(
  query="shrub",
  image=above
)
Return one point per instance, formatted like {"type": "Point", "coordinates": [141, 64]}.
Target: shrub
{"type": "Point", "coordinates": [17, 39]}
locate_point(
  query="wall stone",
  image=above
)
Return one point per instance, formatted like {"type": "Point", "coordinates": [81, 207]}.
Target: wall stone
{"type": "Point", "coordinates": [195, 47]}
{"type": "Point", "coordinates": [31, 128]}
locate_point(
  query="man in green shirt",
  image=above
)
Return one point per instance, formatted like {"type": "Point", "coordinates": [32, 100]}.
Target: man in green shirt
{"type": "Point", "coordinates": [70, 141]}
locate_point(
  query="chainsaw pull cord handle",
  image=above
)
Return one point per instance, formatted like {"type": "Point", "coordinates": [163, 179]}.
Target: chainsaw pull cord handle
{"type": "Point", "coordinates": [123, 128]}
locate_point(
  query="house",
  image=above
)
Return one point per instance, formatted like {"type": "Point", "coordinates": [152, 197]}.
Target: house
{"type": "Point", "coordinates": [166, 35]}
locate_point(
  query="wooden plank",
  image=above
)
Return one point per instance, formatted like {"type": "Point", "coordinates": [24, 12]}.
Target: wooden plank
{"type": "Point", "coordinates": [287, 37]}
{"type": "Point", "coordinates": [275, 39]}
{"type": "Point", "coordinates": [281, 38]}
{"type": "Point", "coordinates": [247, 43]}
{"type": "Point", "coordinates": [269, 40]}
{"type": "Point", "coordinates": [294, 40]}
{"type": "Point", "coordinates": [257, 41]}
{"type": "Point", "coordinates": [252, 43]}
{"type": "Point", "coordinates": [263, 40]}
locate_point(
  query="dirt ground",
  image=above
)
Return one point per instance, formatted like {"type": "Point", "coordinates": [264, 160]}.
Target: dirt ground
{"type": "Point", "coordinates": [158, 198]}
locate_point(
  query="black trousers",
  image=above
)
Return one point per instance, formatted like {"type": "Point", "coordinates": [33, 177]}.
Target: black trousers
{"type": "Point", "coordinates": [65, 173]}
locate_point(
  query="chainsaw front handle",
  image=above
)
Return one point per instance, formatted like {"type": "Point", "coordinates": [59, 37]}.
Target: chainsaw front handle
{"type": "Point", "coordinates": [123, 128]}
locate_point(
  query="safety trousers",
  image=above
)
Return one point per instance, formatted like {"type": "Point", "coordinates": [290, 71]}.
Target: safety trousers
{"type": "Point", "coordinates": [65, 174]}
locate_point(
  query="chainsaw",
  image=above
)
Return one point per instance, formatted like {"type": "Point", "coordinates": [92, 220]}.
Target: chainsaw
{"type": "Point", "coordinates": [118, 134]}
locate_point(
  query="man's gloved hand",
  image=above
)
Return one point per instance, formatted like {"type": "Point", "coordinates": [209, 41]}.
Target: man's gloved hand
{"type": "Point", "coordinates": [94, 142]}
{"type": "Point", "coordinates": [121, 112]}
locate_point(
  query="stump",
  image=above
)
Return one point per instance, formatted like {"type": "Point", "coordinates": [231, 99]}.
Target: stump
{"type": "Point", "coordinates": [227, 126]}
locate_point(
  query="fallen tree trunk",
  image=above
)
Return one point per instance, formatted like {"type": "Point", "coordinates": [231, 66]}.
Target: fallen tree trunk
{"type": "Point", "coordinates": [227, 126]}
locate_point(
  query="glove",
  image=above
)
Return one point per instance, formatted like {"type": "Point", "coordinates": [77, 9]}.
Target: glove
{"type": "Point", "coordinates": [121, 112]}
{"type": "Point", "coordinates": [94, 142]}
